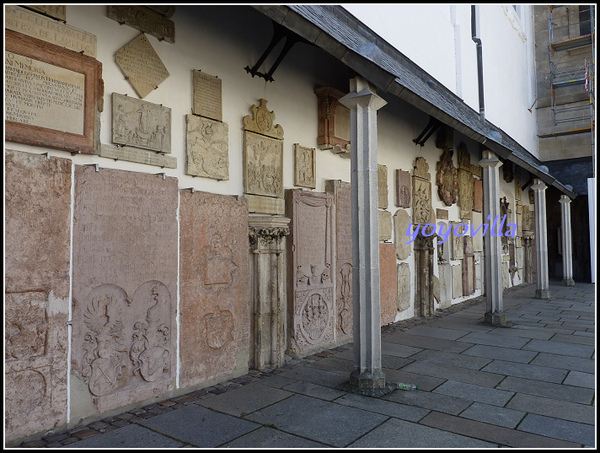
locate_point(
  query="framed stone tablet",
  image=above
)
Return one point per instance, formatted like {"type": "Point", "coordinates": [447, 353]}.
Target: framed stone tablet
{"type": "Point", "coordinates": [207, 96]}
{"type": "Point", "coordinates": [53, 95]}
{"type": "Point", "coordinates": [304, 167]}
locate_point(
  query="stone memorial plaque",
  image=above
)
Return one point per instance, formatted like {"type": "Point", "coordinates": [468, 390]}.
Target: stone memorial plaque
{"type": "Point", "coordinates": [422, 209]}
{"type": "Point", "coordinates": [141, 65]}
{"type": "Point", "coordinates": [465, 183]}
{"type": "Point", "coordinates": [382, 186]}
{"type": "Point", "coordinates": [207, 148]}
{"type": "Point", "coordinates": [388, 283]}
{"type": "Point", "coordinates": [144, 19]}
{"type": "Point", "coordinates": [311, 270]}
{"type": "Point", "coordinates": [214, 286]}
{"type": "Point", "coordinates": [404, 285]}
{"type": "Point", "coordinates": [402, 222]}
{"type": "Point", "coordinates": [457, 287]}
{"type": "Point", "coordinates": [36, 294]}
{"type": "Point", "coordinates": [305, 167]}
{"type": "Point", "coordinates": [137, 155]}
{"type": "Point", "coordinates": [447, 178]}
{"type": "Point", "coordinates": [208, 94]}
{"type": "Point", "coordinates": [446, 288]}
{"type": "Point", "coordinates": [265, 205]}
{"type": "Point", "coordinates": [468, 269]}
{"type": "Point", "coordinates": [32, 24]}
{"type": "Point", "coordinates": [140, 124]}
{"type": "Point", "coordinates": [441, 214]}
{"type": "Point", "coordinates": [53, 95]}
{"type": "Point", "coordinates": [55, 11]}
{"type": "Point", "coordinates": [124, 288]}
{"type": "Point", "coordinates": [477, 195]}
{"type": "Point", "coordinates": [334, 121]}
{"type": "Point", "coordinates": [458, 240]}
{"type": "Point", "coordinates": [342, 199]}
{"type": "Point", "coordinates": [263, 165]}
{"type": "Point", "coordinates": [385, 225]}
{"type": "Point", "coordinates": [403, 189]}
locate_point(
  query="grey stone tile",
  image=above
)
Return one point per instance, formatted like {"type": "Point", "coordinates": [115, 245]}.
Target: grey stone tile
{"type": "Point", "coordinates": [494, 415]}
{"type": "Point", "coordinates": [314, 390]}
{"type": "Point", "coordinates": [429, 400]}
{"type": "Point", "coordinates": [425, 383]}
{"type": "Point", "coordinates": [474, 392]}
{"type": "Point", "coordinates": [448, 358]}
{"type": "Point", "coordinates": [524, 331]}
{"type": "Point", "coordinates": [334, 364]}
{"type": "Point", "coordinates": [384, 407]}
{"type": "Point", "coordinates": [556, 347]}
{"type": "Point", "coordinates": [394, 363]}
{"type": "Point", "coordinates": [316, 376]}
{"type": "Point", "coordinates": [398, 350]}
{"type": "Point", "coordinates": [319, 420]}
{"type": "Point", "coordinates": [437, 332]}
{"type": "Point", "coordinates": [559, 429]}
{"type": "Point", "coordinates": [525, 370]}
{"type": "Point", "coordinates": [455, 373]}
{"type": "Point", "coordinates": [490, 339]}
{"type": "Point", "coordinates": [266, 437]}
{"type": "Point", "coordinates": [579, 379]}
{"type": "Point", "coordinates": [492, 433]}
{"type": "Point", "coordinates": [578, 339]}
{"type": "Point", "coordinates": [565, 362]}
{"type": "Point", "coordinates": [245, 399]}
{"type": "Point", "coordinates": [199, 426]}
{"type": "Point", "coordinates": [130, 436]}
{"type": "Point", "coordinates": [498, 353]}
{"type": "Point", "coordinates": [548, 389]}
{"type": "Point", "coordinates": [452, 322]}
{"type": "Point", "coordinates": [424, 342]}
{"type": "Point", "coordinates": [399, 433]}
{"type": "Point", "coordinates": [552, 408]}
{"type": "Point", "coordinates": [277, 381]}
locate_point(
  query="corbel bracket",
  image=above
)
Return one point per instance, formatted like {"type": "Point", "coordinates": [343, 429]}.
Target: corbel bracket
{"type": "Point", "coordinates": [431, 127]}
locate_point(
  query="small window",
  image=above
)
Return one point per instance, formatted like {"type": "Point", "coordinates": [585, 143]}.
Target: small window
{"type": "Point", "coordinates": [585, 23]}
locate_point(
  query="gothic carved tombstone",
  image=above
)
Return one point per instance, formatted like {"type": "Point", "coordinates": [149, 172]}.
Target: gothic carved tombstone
{"type": "Point", "coordinates": [447, 174]}
{"type": "Point", "coordinates": [334, 122]}
{"type": "Point", "coordinates": [422, 210]}
{"type": "Point", "coordinates": [305, 167]}
{"type": "Point", "coordinates": [311, 270]}
{"type": "Point", "coordinates": [403, 189]}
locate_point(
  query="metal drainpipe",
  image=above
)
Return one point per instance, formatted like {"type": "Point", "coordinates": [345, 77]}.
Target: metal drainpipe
{"type": "Point", "coordinates": [477, 41]}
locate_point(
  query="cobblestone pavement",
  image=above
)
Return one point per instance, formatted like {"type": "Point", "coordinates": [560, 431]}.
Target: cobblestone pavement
{"type": "Point", "coordinates": [529, 385]}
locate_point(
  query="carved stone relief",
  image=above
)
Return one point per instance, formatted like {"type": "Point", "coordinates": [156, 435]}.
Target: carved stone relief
{"type": "Point", "coordinates": [334, 122]}
{"type": "Point", "coordinates": [385, 225]}
{"type": "Point", "coordinates": [422, 210]}
{"type": "Point", "coordinates": [304, 167]}
{"type": "Point", "coordinates": [446, 178]}
{"type": "Point", "coordinates": [465, 183]}
{"type": "Point", "coordinates": [403, 189]}
{"type": "Point", "coordinates": [207, 147]}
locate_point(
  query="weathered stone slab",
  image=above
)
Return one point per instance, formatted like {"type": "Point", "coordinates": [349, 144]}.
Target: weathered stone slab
{"type": "Point", "coordinates": [457, 290]}
{"type": "Point", "coordinates": [56, 11]}
{"type": "Point", "coordinates": [263, 165]}
{"type": "Point", "coordinates": [143, 19]}
{"type": "Point", "coordinates": [402, 222]}
{"type": "Point", "coordinates": [214, 285]}
{"type": "Point", "coordinates": [141, 65]}
{"type": "Point", "coordinates": [36, 301]}
{"type": "Point", "coordinates": [458, 240]}
{"type": "Point", "coordinates": [265, 205]}
{"type": "Point", "coordinates": [422, 210]}
{"type": "Point", "coordinates": [311, 267]}
{"type": "Point", "coordinates": [37, 26]}
{"type": "Point", "coordinates": [441, 214]}
{"type": "Point", "coordinates": [404, 285]}
{"type": "Point", "coordinates": [140, 156]}
{"type": "Point", "coordinates": [208, 93]}
{"type": "Point", "coordinates": [305, 167]}
{"type": "Point", "coordinates": [403, 189]}
{"type": "Point", "coordinates": [388, 283]}
{"type": "Point", "coordinates": [385, 225]}
{"type": "Point", "coordinates": [446, 177]}
{"type": "Point", "coordinates": [207, 148]}
{"type": "Point", "coordinates": [382, 186]}
{"type": "Point", "coordinates": [477, 195]}
{"type": "Point", "coordinates": [446, 284]}
{"type": "Point", "coordinates": [140, 124]}
{"type": "Point", "coordinates": [334, 121]}
{"type": "Point", "coordinates": [124, 288]}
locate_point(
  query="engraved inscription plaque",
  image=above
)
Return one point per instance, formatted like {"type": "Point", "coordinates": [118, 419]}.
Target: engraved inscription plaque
{"type": "Point", "coordinates": [403, 195]}
{"type": "Point", "coordinates": [207, 96]}
{"type": "Point", "coordinates": [207, 148]}
{"type": "Point", "coordinates": [304, 167]}
{"type": "Point", "coordinates": [144, 19]}
{"type": "Point", "coordinates": [141, 65]}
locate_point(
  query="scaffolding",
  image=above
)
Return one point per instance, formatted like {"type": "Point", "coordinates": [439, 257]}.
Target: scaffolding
{"type": "Point", "coordinates": [572, 99]}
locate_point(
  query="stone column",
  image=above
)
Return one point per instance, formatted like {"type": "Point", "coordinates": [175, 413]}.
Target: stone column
{"type": "Point", "coordinates": [541, 239]}
{"type": "Point", "coordinates": [267, 270]}
{"type": "Point", "coordinates": [567, 248]}
{"type": "Point", "coordinates": [363, 104]}
{"type": "Point", "coordinates": [493, 248]}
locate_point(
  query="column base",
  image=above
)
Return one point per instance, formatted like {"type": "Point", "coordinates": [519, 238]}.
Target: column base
{"type": "Point", "coordinates": [542, 294]}
{"type": "Point", "coordinates": [568, 282]}
{"type": "Point", "coordinates": [369, 384]}
{"type": "Point", "coordinates": [495, 319]}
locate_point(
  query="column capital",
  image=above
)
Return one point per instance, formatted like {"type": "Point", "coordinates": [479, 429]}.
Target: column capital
{"type": "Point", "coordinates": [538, 184]}
{"type": "Point", "coordinates": [362, 94]}
{"type": "Point", "coordinates": [564, 199]}
{"type": "Point", "coordinates": [489, 159]}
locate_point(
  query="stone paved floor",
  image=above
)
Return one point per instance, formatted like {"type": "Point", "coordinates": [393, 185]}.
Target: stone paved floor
{"type": "Point", "coordinates": [529, 385]}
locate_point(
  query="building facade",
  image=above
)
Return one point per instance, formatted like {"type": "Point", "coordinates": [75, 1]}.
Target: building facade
{"type": "Point", "coordinates": [195, 191]}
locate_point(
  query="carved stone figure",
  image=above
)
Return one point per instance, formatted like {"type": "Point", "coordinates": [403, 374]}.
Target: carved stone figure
{"type": "Point", "coordinates": [446, 178]}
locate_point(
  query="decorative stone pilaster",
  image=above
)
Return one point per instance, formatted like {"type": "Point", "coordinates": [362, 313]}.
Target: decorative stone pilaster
{"type": "Point", "coordinates": [267, 269]}
{"type": "Point", "coordinates": [363, 103]}
{"type": "Point", "coordinates": [567, 248]}
{"type": "Point", "coordinates": [541, 239]}
{"type": "Point", "coordinates": [492, 245]}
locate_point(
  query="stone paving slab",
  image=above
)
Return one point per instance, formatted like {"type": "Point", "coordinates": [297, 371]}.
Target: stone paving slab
{"type": "Point", "coordinates": [577, 339]}
{"type": "Point", "coordinates": [548, 389]}
{"type": "Point", "coordinates": [246, 399]}
{"type": "Point", "coordinates": [508, 354]}
{"type": "Point", "coordinates": [493, 415]}
{"type": "Point", "coordinates": [316, 376]}
{"type": "Point", "coordinates": [524, 331]}
{"type": "Point", "coordinates": [266, 437]}
{"type": "Point", "coordinates": [130, 436]}
{"type": "Point", "coordinates": [402, 434]}
{"type": "Point", "coordinates": [559, 429]}
{"type": "Point", "coordinates": [579, 379]}
{"type": "Point", "coordinates": [447, 358]}
{"type": "Point", "coordinates": [556, 347]}
{"type": "Point", "coordinates": [483, 377]}
{"type": "Point", "coordinates": [428, 400]}
{"type": "Point", "coordinates": [553, 408]}
{"type": "Point", "coordinates": [398, 350]}
{"type": "Point", "coordinates": [437, 332]}
{"type": "Point", "coordinates": [474, 392]}
{"type": "Point", "coordinates": [423, 342]}
{"type": "Point", "coordinates": [314, 390]}
{"type": "Point", "coordinates": [490, 339]}
{"type": "Point", "coordinates": [380, 406]}
{"type": "Point", "coordinates": [425, 383]}
{"type": "Point", "coordinates": [565, 362]}
{"type": "Point", "coordinates": [524, 370]}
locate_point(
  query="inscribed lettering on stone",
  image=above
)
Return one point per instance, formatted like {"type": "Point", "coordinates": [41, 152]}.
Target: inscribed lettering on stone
{"type": "Point", "coordinates": [208, 91]}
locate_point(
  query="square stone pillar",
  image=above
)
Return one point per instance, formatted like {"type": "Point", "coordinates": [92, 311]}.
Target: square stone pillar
{"type": "Point", "coordinates": [541, 238]}
{"type": "Point", "coordinates": [567, 247]}
{"type": "Point", "coordinates": [363, 104]}
{"type": "Point", "coordinates": [493, 248]}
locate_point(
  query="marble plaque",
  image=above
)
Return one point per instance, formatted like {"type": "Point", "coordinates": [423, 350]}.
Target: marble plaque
{"type": "Point", "coordinates": [207, 148]}
{"type": "Point", "coordinates": [140, 156]}
{"type": "Point", "coordinates": [53, 95]}
{"type": "Point", "coordinates": [124, 288]}
{"type": "Point", "coordinates": [265, 205]}
{"type": "Point", "coordinates": [208, 95]}
{"type": "Point", "coordinates": [32, 24]}
{"type": "Point", "coordinates": [305, 167]}
{"type": "Point", "coordinates": [382, 186]}
{"type": "Point", "coordinates": [214, 286]}
{"type": "Point", "coordinates": [402, 222]}
{"type": "Point", "coordinates": [342, 199]}
{"type": "Point", "coordinates": [311, 270]}
{"type": "Point", "coordinates": [55, 11]}
{"type": "Point", "coordinates": [403, 189]}
{"type": "Point", "coordinates": [144, 19]}
{"type": "Point", "coordinates": [385, 225]}
{"type": "Point", "coordinates": [388, 283]}
{"type": "Point", "coordinates": [140, 124]}
{"type": "Point", "coordinates": [404, 285]}
{"type": "Point", "coordinates": [37, 233]}
{"type": "Point", "coordinates": [263, 165]}
{"type": "Point", "coordinates": [477, 195]}
{"type": "Point", "coordinates": [334, 122]}
{"type": "Point", "coordinates": [141, 65]}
